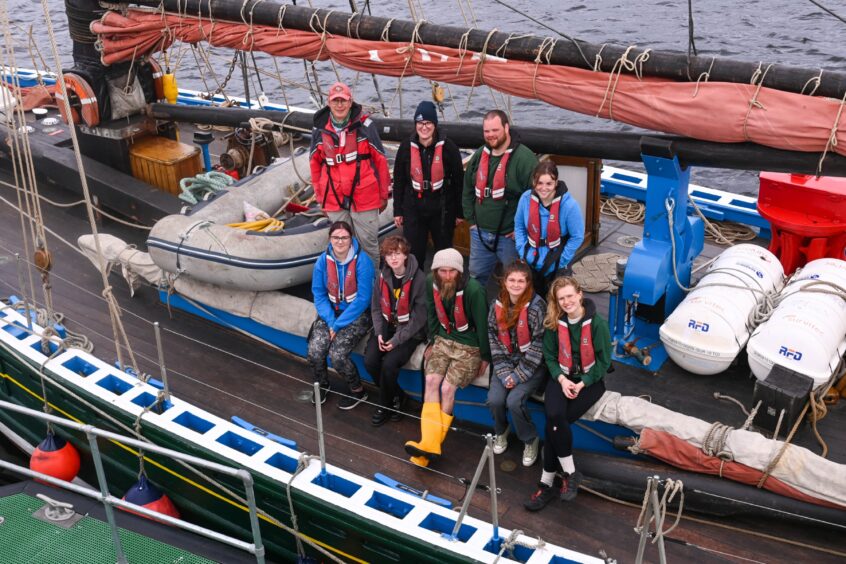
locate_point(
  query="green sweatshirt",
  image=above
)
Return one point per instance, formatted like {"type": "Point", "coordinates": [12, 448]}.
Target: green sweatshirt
{"type": "Point", "coordinates": [601, 347]}
{"type": "Point", "coordinates": [476, 310]}
{"type": "Point", "coordinates": [518, 178]}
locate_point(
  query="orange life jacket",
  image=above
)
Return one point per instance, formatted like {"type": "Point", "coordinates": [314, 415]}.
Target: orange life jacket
{"type": "Point", "coordinates": [333, 286]}
{"type": "Point", "coordinates": [565, 352]}
{"type": "Point", "coordinates": [461, 324]}
{"type": "Point", "coordinates": [524, 335]}
{"type": "Point", "coordinates": [436, 171]}
{"type": "Point", "coordinates": [402, 312]}
{"type": "Point", "coordinates": [497, 188]}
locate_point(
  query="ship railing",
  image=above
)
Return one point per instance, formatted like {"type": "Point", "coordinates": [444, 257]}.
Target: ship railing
{"type": "Point", "coordinates": [92, 433]}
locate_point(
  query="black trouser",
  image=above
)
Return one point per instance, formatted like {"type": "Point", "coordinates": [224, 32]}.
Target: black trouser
{"type": "Point", "coordinates": [418, 224]}
{"type": "Point", "coordinates": [384, 367]}
{"type": "Point", "coordinates": [560, 414]}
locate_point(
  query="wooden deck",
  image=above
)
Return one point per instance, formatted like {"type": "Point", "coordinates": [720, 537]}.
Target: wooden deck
{"type": "Point", "coordinates": [230, 374]}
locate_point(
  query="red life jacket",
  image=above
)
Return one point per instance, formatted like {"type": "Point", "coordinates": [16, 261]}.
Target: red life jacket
{"type": "Point", "coordinates": [436, 171]}
{"type": "Point", "coordinates": [524, 335]}
{"type": "Point", "coordinates": [334, 153]}
{"type": "Point", "coordinates": [333, 286]}
{"type": "Point", "coordinates": [497, 189]}
{"type": "Point", "coordinates": [553, 225]}
{"type": "Point", "coordinates": [461, 324]}
{"type": "Point", "coordinates": [403, 310]}
{"type": "Point", "coordinates": [565, 352]}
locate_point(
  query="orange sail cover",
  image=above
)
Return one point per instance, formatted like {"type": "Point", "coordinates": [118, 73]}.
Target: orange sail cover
{"type": "Point", "coordinates": [710, 111]}
{"type": "Point", "coordinates": [681, 454]}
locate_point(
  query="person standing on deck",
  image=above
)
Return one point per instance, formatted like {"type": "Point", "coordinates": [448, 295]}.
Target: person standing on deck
{"type": "Point", "coordinates": [398, 309]}
{"type": "Point", "coordinates": [549, 227]}
{"type": "Point", "coordinates": [341, 285]}
{"type": "Point", "coordinates": [458, 351]}
{"type": "Point", "coordinates": [496, 176]}
{"type": "Point", "coordinates": [349, 170]}
{"type": "Point", "coordinates": [428, 180]}
{"type": "Point", "coordinates": [577, 351]}
{"type": "Point", "coordinates": [515, 332]}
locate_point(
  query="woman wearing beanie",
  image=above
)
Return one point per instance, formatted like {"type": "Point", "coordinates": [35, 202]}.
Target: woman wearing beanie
{"type": "Point", "coordinates": [458, 351]}
{"type": "Point", "coordinates": [428, 177]}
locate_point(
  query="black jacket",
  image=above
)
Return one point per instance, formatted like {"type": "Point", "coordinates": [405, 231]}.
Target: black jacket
{"type": "Point", "coordinates": [448, 197]}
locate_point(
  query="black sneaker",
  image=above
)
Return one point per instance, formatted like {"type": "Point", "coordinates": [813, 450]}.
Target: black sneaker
{"type": "Point", "coordinates": [353, 399]}
{"type": "Point", "coordinates": [324, 393]}
{"type": "Point", "coordinates": [380, 415]}
{"type": "Point", "coordinates": [398, 405]}
{"type": "Point", "coordinates": [570, 487]}
{"type": "Point", "coordinates": [543, 496]}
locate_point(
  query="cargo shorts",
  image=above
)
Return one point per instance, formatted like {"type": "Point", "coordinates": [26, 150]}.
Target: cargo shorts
{"type": "Point", "coordinates": [457, 362]}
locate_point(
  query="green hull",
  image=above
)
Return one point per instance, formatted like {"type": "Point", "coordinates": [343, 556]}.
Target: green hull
{"type": "Point", "coordinates": [344, 533]}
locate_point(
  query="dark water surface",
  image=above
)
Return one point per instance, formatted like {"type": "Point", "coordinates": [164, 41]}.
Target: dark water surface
{"type": "Point", "coordinates": [791, 32]}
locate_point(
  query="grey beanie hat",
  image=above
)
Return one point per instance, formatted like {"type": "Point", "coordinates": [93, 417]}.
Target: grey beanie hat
{"type": "Point", "coordinates": [448, 258]}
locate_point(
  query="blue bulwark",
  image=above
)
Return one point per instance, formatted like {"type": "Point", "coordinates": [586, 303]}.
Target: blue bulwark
{"type": "Point", "coordinates": [715, 204]}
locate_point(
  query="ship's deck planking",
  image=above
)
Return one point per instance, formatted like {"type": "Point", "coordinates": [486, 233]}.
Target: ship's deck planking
{"type": "Point", "coordinates": [202, 373]}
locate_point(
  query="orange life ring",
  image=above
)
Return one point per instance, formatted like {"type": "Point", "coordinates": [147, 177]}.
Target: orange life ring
{"type": "Point", "coordinates": [85, 106]}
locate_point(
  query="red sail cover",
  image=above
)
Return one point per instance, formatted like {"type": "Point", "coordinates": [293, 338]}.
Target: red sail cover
{"type": "Point", "coordinates": [711, 111]}
{"type": "Point", "coordinates": [681, 454]}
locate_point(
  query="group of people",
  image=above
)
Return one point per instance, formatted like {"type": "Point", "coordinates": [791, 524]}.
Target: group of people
{"type": "Point", "coordinates": [521, 216]}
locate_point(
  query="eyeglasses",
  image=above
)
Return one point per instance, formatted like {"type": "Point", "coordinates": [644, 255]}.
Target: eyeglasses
{"type": "Point", "coordinates": [395, 254]}
{"type": "Point", "coordinates": [339, 239]}
{"type": "Point", "coordinates": [425, 124]}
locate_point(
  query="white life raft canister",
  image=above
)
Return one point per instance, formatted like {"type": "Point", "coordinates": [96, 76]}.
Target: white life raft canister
{"type": "Point", "coordinates": [709, 328]}
{"type": "Point", "coordinates": [807, 330]}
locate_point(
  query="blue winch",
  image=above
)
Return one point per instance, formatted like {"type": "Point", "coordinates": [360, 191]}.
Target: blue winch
{"type": "Point", "coordinates": [660, 262]}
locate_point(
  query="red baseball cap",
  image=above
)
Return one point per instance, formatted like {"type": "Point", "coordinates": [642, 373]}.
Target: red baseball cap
{"type": "Point", "coordinates": [339, 90]}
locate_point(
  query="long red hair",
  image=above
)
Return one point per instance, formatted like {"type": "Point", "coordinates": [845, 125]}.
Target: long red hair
{"type": "Point", "coordinates": [511, 312]}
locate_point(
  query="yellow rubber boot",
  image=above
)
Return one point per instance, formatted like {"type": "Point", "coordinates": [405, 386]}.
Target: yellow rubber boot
{"type": "Point", "coordinates": [446, 421]}
{"type": "Point", "coordinates": [429, 445]}
{"type": "Point", "coordinates": [421, 461]}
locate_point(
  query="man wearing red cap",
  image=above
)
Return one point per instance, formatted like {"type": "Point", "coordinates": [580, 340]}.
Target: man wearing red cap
{"type": "Point", "coordinates": [348, 167]}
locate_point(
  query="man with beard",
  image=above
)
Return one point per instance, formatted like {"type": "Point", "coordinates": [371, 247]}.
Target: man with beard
{"type": "Point", "coordinates": [428, 183]}
{"type": "Point", "coordinates": [348, 167]}
{"type": "Point", "coordinates": [459, 350]}
{"type": "Point", "coordinates": [496, 176]}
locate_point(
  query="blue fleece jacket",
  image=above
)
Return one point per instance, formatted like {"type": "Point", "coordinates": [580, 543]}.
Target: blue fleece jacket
{"type": "Point", "coordinates": [347, 312]}
{"type": "Point", "coordinates": [569, 218]}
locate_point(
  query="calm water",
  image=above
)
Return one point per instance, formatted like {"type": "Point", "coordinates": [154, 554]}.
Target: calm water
{"type": "Point", "coordinates": [793, 32]}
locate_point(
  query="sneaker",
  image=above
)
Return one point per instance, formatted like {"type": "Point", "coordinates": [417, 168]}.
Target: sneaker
{"type": "Point", "coordinates": [324, 393]}
{"type": "Point", "coordinates": [353, 399]}
{"type": "Point", "coordinates": [398, 405]}
{"type": "Point", "coordinates": [530, 452]}
{"type": "Point", "coordinates": [543, 496]}
{"type": "Point", "coordinates": [501, 442]}
{"type": "Point", "coordinates": [570, 487]}
{"type": "Point", "coordinates": [380, 415]}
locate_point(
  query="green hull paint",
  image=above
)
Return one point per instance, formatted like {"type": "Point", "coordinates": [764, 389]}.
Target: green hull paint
{"type": "Point", "coordinates": [327, 523]}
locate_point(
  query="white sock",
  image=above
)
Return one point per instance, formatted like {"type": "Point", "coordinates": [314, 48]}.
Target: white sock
{"type": "Point", "coordinates": [547, 477]}
{"type": "Point", "coordinates": [567, 464]}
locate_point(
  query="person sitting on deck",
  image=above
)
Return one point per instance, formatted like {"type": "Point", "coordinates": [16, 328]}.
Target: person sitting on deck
{"type": "Point", "coordinates": [348, 167]}
{"type": "Point", "coordinates": [515, 332]}
{"type": "Point", "coordinates": [341, 285]}
{"type": "Point", "coordinates": [399, 324]}
{"type": "Point", "coordinates": [577, 351]}
{"type": "Point", "coordinates": [458, 351]}
{"type": "Point", "coordinates": [548, 227]}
